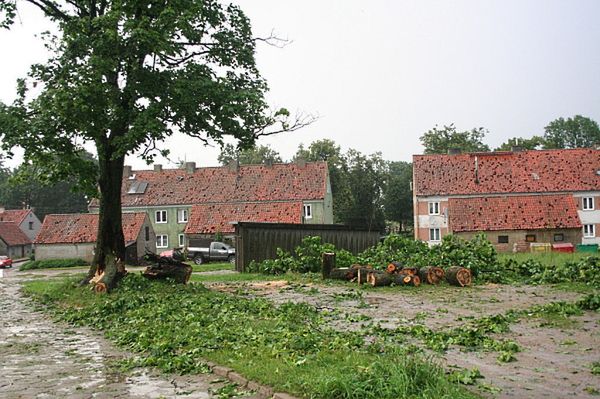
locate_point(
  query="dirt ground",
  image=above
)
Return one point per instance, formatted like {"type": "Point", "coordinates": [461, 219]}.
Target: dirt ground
{"type": "Point", "coordinates": [554, 363]}
{"type": "Point", "coordinates": [42, 359]}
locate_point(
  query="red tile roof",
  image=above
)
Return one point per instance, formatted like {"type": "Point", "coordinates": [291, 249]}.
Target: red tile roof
{"type": "Point", "coordinates": [83, 228]}
{"type": "Point", "coordinates": [279, 182]}
{"type": "Point", "coordinates": [14, 215]}
{"type": "Point", "coordinates": [507, 172]}
{"type": "Point", "coordinates": [527, 212]}
{"type": "Point", "coordinates": [12, 235]}
{"type": "Point", "coordinates": [213, 218]}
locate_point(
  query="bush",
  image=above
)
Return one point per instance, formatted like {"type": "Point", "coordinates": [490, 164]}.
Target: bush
{"type": "Point", "coordinates": [52, 264]}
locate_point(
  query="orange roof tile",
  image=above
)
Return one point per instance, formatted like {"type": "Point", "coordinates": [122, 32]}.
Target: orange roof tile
{"type": "Point", "coordinates": [83, 228]}
{"type": "Point", "coordinates": [507, 172]}
{"type": "Point", "coordinates": [278, 182]}
{"type": "Point", "coordinates": [527, 212]}
{"type": "Point", "coordinates": [14, 215]}
{"type": "Point", "coordinates": [213, 218]}
{"type": "Point", "coordinates": [12, 235]}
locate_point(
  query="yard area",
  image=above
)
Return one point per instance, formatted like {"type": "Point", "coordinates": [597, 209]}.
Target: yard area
{"type": "Point", "coordinates": [326, 339]}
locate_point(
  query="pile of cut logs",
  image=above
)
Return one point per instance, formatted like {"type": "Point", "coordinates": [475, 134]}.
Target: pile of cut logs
{"type": "Point", "coordinates": [397, 274]}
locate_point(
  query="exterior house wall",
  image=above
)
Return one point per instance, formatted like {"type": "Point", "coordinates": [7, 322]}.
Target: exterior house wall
{"type": "Point", "coordinates": [589, 216]}
{"type": "Point", "coordinates": [424, 221]}
{"type": "Point", "coordinates": [15, 251]}
{"type": "Point", "coordinates": [144, 245]}
{"type": "Point", "coordinates": [83, 251]}
{"type": "Point", "coordinates": [319, 212]}
{"type": "Point", "coordinates": [516, 238]}
{"type": "Point", "coordinates": [31, 226]}
{"type": "Point", "coordinates": [3, 248]}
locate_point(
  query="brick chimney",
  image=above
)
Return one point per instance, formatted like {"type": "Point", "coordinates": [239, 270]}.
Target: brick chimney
{"type": "Point", "coordinates": [190, 167]}
{"type": "Point", "coordinates": [301, 162]}
{"type": "Point", "coordinates": [126, 171]}
{"type": "Point", "coordinates": [157, 168]}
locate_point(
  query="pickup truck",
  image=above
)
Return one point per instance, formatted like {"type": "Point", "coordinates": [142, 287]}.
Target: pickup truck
{"type": "Point", "coordinates": [216, 251]}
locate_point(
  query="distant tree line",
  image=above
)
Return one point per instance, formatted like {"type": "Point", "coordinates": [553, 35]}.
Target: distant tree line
{"type": "Point", "coordinates": [575, 132]}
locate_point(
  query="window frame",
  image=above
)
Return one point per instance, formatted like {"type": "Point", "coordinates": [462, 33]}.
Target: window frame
{"type": "Point", "coordinates": [432, 237]}
{"type": "Point", "coordinates": [147, 233]}
{"type": "Point", "coordinates": [30, 225]}
{"type": "Point", "coordinates": [160, 212]}
{"type": "Point", "coordinates": [436, 208]}
{"type": "Point", "coordinates": [591, 233]}
{"type": "Point", "coordinates": [588, 201]}
{"type": "Point", "coordinates": [305, 214]}
{"type": "Point", "coordinates": [530, 238]}
{"type": "Point", "coordinates": [503, 237]}
{"type": "Point", "coordinates": [558, 237]}
{"type": "Point", "coordinates": [181, 212]}
{"type": "Point", "coordinates": [181, 240]}
{"type": "Point", "coordinates": [164, 239]}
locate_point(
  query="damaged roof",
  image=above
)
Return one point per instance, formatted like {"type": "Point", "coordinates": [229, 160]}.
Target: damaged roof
{"type": "Point", "coordinates": [12, 235]}
{"type": "Point", "coordinates": [213, 218]}
{"type": "Point", "coordinates": [83, 228]}
{"type": "Point", "coordinates": [524, 212]}
{"type": "Point", "coordinates": [14, 215]}
{"type": "Point", "coordinates": [507, 172]}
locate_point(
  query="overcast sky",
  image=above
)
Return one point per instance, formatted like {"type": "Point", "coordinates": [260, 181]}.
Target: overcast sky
{"type": "Point", "coordinates": [381, 73]}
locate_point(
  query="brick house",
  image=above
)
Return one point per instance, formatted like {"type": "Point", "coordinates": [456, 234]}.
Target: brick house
{"type": "Point", "coordinates": [209, 199]}
{"type": "Point", "coordinates": [13, 241]}
{"type": "Point", "coordinates": [518, 197]}
{"type": "Point", "coordinates": [24, 218]}
{"type": "Point", "coordinates": [74, 236]}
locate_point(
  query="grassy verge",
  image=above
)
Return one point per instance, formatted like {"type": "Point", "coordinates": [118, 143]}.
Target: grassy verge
{"type": "Point", "coordinates": [53, 264]}
{"type": "Point", "coordinates": [546, 258]}
{"type": "Point", "coordinates": [209, 267]}
{"type": "Point", "coordinates": [289, 347]}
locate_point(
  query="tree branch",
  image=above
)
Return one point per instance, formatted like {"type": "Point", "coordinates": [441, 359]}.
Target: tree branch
{"type": "Point", "coordinates": [273, 40]}
{"type": "Point", "coordinates": [50, 8]}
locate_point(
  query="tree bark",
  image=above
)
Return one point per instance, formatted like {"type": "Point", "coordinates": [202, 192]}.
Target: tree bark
{"type": "Point", "coordinates": [109, 253]}
{"type": "Point", "coordinates": [407, 279]}
{"type": "Point", "coordinates": [458, 276]}
{"type": "Point", "coordinates": [327, 264]}
{"type": "Point", "coordinates": [164, 268]}
{"type": "Point", "coordinates": [431, 274]}
{"type": "Point", "coordinates": [379, 279]}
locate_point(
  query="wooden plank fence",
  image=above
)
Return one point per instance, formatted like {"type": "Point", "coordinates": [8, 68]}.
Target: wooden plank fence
{"type": "Point", "coordinates": [259, 241]}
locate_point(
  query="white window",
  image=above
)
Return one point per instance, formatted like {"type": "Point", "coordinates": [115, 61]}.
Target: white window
{"type": "Point", "coordinates": [434, 208]}
{"type": "Point", "coordinates": [181, 240]}
{"type": "Point", "coordinates": [162, 241]}
{"type": "Point", "coordinates": [161, 217]}
{"type": "Point", "coordinates": [182, 216]}
{"type": "Point", "coordinates": [588, 203]}
{"type": "Point", "coordinates": [308, 211]}
{"type": "Point", "coordinates": [589, 230]}
{"type": "Point", "coordinates": [434, 234]}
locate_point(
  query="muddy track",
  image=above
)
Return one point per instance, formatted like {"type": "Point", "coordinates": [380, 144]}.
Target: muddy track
{"type": "Point", "coordinates": [43, 359]}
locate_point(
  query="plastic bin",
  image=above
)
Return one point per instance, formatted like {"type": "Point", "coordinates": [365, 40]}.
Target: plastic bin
{"type": "Point", "coordinates": [587, 248]}
{"type": "Point", "coordinates": [540, 247]}
{"type": "Point", "coordinates": [563, 247]}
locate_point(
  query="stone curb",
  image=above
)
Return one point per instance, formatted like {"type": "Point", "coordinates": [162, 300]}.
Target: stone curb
{"type": "Point", "coordinates": [262, 390]}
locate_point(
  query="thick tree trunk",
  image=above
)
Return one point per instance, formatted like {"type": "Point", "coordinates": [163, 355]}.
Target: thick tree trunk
{"type": "Point", "coordinates": [164, 268]}
{"type": "Point", "coordinates": [431, 274]}
{"type": "Point", "coordinates": [108, 265]}
{"type": "Point", "coordinates": [458, 276]}
{"type": "Point", "coordinates": [327, 263]}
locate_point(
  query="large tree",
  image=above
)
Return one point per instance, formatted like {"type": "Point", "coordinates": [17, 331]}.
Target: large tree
{"type": "Point", "coordinates": [123, 75]}
{"type": "Point", "coordinates": [397, 195]}
{"type": "Point", "coordinates": [440, 140]}
{"type": "Point", "coordinates": [254, 155]}
{"type": "Point", "coordinates": [534, 143]}
{"type": "Point", "coordinates": [576, 132]}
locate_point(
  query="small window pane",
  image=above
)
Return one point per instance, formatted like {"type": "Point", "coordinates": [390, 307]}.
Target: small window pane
{"type": "Point", "coordinates": [588, 203]}
{"type": "Point", "coordinates": [589, 230]}
{"type": "Point", "coordinates": [558, 237]}
{"type": "Point", "coordinates": [502, 239]}
{"type": "Point", "coordinates": [530, 238]}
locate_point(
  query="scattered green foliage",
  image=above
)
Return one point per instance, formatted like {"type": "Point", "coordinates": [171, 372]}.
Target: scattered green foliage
{"type": "Point", "coordinates": [52, 264]}
{"type": "Point", "coordinates": [465, 376]}
{"type": "Point", "coordinates": [290, 346]}
{"type": "Point", "coordinates": [595, 368]}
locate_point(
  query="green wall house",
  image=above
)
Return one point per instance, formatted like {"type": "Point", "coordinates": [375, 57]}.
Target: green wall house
{"type": "Point", "coordinates": [215, 197]}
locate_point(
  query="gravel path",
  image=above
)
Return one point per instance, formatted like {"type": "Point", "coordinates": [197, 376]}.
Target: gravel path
{"type": "Point", "coordinates": [43, 359]}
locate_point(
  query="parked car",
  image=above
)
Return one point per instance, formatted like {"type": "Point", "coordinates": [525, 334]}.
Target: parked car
{"type": "Point", "coordinates": [216, 251]}
{"type": "Point", "coordinates": [5, 261]}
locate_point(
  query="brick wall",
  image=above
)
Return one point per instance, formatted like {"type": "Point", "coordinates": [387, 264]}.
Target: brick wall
{"type": "Point", "coordinates": [517, 237]}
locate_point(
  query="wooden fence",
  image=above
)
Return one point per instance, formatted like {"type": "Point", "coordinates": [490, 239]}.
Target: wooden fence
{"type": "Point", "coordinates": [259, 241]}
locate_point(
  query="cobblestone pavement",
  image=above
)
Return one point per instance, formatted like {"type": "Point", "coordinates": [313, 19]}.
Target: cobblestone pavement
{"type": "Point", "coordinates": [43, 359]}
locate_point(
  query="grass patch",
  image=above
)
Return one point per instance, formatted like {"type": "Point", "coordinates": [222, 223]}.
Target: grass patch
{"type": "Point", "coordinates": [545, 258]}
{"type": "Point", "coordinates": [53, 264]}
{"type": "Point", "coordinates": [210, 267]}
{"type": "Point", "coordinates": [290, 347]}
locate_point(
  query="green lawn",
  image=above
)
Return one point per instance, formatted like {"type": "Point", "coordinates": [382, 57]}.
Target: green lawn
{"type": "Point", "coordinates": [209, 267]}
{"type": "Point", "coordinates": [547, 258]}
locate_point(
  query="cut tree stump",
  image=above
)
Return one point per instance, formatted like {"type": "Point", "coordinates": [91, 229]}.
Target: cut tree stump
{"type": "Point", "coordinates": [327, 263]}
{"type": "Point", "coordinates": [458, 276]}
{"type": "Point", "coordinates": [362, 274]}
{"type": "Point", "coordinates": [378, 279]}
{"type": "Point", "coordinates": [431, 274]}
{"type": "Point", "coordinates": [407, 279]}
{"type": "Point", "coordinates": [413, 271]}
{"type": "Point", "coordinates": [164, 268]}
{"type": "Point", "coordinates": [394, 267]}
